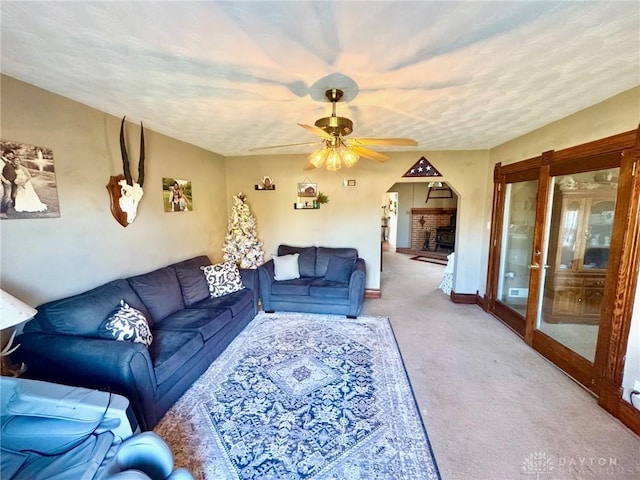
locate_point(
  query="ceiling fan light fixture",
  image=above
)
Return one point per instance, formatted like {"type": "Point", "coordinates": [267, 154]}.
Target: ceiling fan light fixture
{"type": "Point", "coordinates": [333, 160]}
{"type": "Point", "coordinates": [349, 157]}
{"type": "Point", "coordinates": [318, 157]}
{"type": "Point", "coordinates": [336, 149]}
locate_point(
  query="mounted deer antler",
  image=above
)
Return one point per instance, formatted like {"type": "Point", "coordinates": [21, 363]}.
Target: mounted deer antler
{"type": "Point", "coordinates": [125, 195]}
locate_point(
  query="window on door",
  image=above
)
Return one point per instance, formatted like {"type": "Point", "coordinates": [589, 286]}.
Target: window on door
{"type": "Point", "coordinates": [577, 257]}
{"type": "Point", "coordinates": [517, 241]}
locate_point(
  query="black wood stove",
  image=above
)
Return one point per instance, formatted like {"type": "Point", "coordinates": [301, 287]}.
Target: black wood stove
{"type": "Point", "coordinates": [446, 236]}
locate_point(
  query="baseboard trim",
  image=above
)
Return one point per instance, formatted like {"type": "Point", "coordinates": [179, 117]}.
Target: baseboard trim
{"type": "Point", "coordinates": [372, 293]}
{"type": "Point", "coordinates": [466, 298]}
{"type": "Point", "coordinates": [629, 415]}
{"type": "Point", "coordinates": [482, 301]}
{"type": "Point", "coordinates": [611, 400]}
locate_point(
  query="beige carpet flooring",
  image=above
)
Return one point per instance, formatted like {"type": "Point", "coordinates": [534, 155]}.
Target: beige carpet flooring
{"type": "Point", "coordinates": [493, 407]}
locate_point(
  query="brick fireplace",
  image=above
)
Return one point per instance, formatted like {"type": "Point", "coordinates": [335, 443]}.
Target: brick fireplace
{"type": "Point", "coordinates": [425, 220]}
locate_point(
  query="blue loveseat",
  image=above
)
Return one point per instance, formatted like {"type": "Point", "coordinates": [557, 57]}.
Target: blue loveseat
{"type": "Point", "coordinates": [331, 280]}
{"type": "Point", "coordinates": [190, 329]}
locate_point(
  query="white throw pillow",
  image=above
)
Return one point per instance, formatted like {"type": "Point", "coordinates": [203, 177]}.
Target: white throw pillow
{"type": "Point", "coordinates": [223, 278]}
{"type": "Point", "coordinates": [126, 324]}
{"type": "Point", "coordinates": [286, 267]}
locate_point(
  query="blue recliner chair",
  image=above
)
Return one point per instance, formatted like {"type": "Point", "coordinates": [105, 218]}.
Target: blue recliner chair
{"type": "Point", "coordinates": [52, 431]}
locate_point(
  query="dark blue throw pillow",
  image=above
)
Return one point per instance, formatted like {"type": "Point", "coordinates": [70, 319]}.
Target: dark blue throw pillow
{"type": "Point", "coordinates": [339, 269]}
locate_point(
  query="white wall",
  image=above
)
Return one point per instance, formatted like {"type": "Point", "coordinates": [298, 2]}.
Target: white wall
{"type": "Point", "coordinates": [405, 193]}
{"type": "Point", "coordinates": [48, 258]}
{"type": "Point", "coordinates": [393, 217]}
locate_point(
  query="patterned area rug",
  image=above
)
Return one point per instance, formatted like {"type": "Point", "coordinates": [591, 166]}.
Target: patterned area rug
{"type": "Point", "coordinates": [301, 396]}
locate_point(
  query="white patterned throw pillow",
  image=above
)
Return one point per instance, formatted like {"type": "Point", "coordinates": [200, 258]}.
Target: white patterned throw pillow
{"type": "Point", "coordinates": [223, 278]}
{"type": "Point", "coordinates": [127, 324]}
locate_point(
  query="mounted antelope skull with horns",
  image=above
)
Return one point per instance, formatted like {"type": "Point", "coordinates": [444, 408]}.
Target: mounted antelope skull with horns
{"type": "Point", "coordinates": [125, 195]}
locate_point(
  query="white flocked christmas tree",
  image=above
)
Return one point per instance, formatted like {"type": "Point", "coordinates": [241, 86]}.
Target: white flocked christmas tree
{"type": "Point", "coordinates": [241, 245]}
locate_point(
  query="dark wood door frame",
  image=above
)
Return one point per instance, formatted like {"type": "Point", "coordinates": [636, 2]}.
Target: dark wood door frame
{"type": "Point", "coordinates": [604, 375]}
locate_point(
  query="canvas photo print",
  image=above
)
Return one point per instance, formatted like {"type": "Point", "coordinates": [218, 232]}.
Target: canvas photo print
{"type": "Point", "coordinates": [29, 188]}
{"type": "Point", "coordinates": [177, 195]}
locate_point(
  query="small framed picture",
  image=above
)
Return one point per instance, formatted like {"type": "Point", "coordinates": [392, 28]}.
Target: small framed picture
{"type": "Point", "coordinates": [350, 182]}
{"type": "Point", "coordinates": [176, 194]}
{"type": "Point", "coordinates": [307, 189]}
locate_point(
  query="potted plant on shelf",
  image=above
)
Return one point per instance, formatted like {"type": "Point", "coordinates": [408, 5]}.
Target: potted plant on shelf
{"type": "Point", "coordinates": [321, 198]}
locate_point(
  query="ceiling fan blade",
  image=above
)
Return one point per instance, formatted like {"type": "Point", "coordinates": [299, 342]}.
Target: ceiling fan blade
{"type": "Point", "coordinates": [316, 131]}
{"type": "Point", "coordinates": [309, 166]}
{"type": "Point", "coordinates": [401, 142]}
{"type": "Point", "coordinates": [285, 145]}
{"type": "Point", "coordinates": [368, 153]}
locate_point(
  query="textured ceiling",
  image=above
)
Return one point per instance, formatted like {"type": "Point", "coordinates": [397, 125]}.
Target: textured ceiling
{"type": "Point", "coordinates": [231, 76]}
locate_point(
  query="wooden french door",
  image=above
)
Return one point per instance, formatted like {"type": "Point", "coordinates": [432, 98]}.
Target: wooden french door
{"type": "Point", "coordinates": [561, 235]}
{"type": "Point", "coordinates": [514, 223]}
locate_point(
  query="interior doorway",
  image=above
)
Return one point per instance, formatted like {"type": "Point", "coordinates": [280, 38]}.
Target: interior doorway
{"type": "Point", "coordinates": [425, 218]}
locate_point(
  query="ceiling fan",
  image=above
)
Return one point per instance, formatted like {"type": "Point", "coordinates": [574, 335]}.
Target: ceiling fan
{"type": "Point", "coordinates": [335, 148]}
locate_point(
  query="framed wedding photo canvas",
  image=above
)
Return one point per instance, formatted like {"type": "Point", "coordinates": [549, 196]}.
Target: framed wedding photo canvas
{"type": "Point", "coordinates": [29, 188]}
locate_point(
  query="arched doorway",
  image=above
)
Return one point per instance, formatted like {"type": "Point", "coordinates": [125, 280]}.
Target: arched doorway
{"type": "Point", "coordinates": [425, 218]}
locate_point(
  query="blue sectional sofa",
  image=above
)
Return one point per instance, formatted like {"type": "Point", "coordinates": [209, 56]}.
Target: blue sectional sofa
{"type": "Point", "coordinates": [331, 280]}
{"type": "Point", "coordinates": [190, 329]}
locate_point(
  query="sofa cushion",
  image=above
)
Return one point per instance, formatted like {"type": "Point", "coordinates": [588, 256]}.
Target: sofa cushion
{"type": "Point", "coordinates": [285, 267]}
{"type": "Point", "coordinates": [235, 302]}
{"type": "Point", "coordinates": [126, 324]}
{"type": "Point", "coordinates": [222, 278]}
{"type": "Point", "coordinates": [306, 260]}
{"type": "Point", "coordinates": [191, 277]}
{"type": "Point", "coordinates": [83, 314]}
{"type": "Point", "coordinates": [339, 269]}
{"type": "Point", "coordinates": [207, 322]}
{"type": "Point", "coordinates": [170, 350]}
{"type": "Point", "coordinates": [320, 287]}
{"type": "Point", "coordinates": [324, 253]}
{"type": "Point", "coordinates": [298, 286]}
{"type": "Point", "coordinates": [160, 292]}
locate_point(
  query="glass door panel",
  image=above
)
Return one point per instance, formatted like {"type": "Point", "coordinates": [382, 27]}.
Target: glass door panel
{"type": "Point", "coordinates": [517, 240]}
{"type": "Point", "coordinates": [575, 258]}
